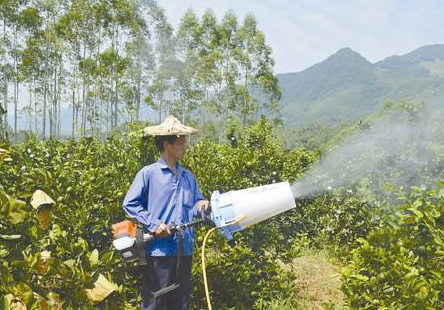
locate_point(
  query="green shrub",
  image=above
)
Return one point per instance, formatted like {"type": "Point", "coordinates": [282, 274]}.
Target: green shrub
{"type": "Point", "coordinates": [400, 265]}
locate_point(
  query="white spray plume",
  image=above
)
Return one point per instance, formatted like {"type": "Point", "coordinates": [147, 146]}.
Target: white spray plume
{"type": "Point", "coordinates": [404, 147]}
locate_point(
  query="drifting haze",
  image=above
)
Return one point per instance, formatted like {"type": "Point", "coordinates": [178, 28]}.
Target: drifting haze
{"type": "Point", "coordinates": [404, 147]}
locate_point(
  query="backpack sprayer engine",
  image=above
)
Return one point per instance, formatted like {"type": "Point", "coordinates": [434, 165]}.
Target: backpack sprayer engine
{"type": "Point", "coordinates": [131, 240]}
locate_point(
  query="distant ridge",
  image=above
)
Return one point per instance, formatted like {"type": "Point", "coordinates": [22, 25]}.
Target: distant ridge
{"type": "Point", "coordinates": [346, 85]}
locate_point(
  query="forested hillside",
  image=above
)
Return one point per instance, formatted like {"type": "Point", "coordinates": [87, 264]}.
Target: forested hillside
{"type": "Point", "coordinates": [346, 86]}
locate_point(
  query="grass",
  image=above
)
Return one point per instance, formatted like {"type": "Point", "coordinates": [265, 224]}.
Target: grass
{"type": "Point", "coordinates": [317, 281]}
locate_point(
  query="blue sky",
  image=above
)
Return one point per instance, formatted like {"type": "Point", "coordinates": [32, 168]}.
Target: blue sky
{"type": "Point", "coordinates": [304, 32]}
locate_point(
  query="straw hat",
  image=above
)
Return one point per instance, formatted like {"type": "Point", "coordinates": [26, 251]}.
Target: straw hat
{"type": "Point", "coordinates": [170, 126]}
{"type": "Point", "coordinates": [40, 198]}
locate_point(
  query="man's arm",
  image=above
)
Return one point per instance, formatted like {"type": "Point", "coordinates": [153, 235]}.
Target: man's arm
{"type": "Point", "coordinates": [135, 202]}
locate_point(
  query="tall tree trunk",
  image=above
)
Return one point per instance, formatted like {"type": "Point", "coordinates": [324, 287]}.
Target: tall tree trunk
{"type": "Point", "coordinates": [160, 110]}
{"type": "Point", "coordinates": [14, 29]}
{"type": "Point", "coordinates": [45, 80]}
{"type": "Point", "coordinates": [184, 106]}
{"type": "Point", "coordinates": [73, 113]}
{"type": "Point", "coordinates": [245, 96]}
{"type": "Point", "coordinates": [5, 86]}
{"type": "Point", "coordinates": [59, 100]}
{"type": "Point", "coordinates": [100, 117]}
{"type": "Point", "coordinates": [5, 96]}
{"type": "Point", "coordinates": [30, 107]}
{"type": "Point", "coordinates": [107, 117]}
{"type": "Point", "coordinates": [83, 122]}
{"type": "Point", "coordinates": [35, 108]}
{"type": "Point", "coordinates": [116, 79]}
{"type": "Point", "coordinates": [15, 105]}
{"type": "Point", "coordinates": [44, 102]}
{"type": "Point", "coordinates": [51, 99]}
{"type": "Point", "coordinates": [93, 116]}
{"type": "Point", "coordinates": [203, 106]}
{"type": "Point", "coordinates": [139, 85]}
{"type": "Point", "coordinates": [94, 123]}
{"type": "Point", "coordinates": [77, 91]}
{"type": "Point", "coordinates": [56, 113]}
{"type": "Point", "coordinates": [53, 118]}
{"type": "Point", "coordinates": [77, 110]}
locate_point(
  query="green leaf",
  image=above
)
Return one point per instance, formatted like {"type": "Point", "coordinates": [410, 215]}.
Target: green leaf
{"type": "Point", "coordinates": [409, 219]}
{"type": "Point", "coordinates": [18, 211]}
{"type": "Point", "coordinates": [4, 303]}
{"type": "Point", "coordinates": [416, 189]}
{"type": "Point", "coordinates": [361, 277]}
{"type": "Point", "coordinates": [106, 256]}
{"type": "Point", "coordinates": [19, 263]}
{"type": "Point", "coordinates": [94, 257]}
{"type": "Point", "coordinates": [361, 240]}
{"type": "Point", "coordinates": [10, 237]}
{"type": "Point", "coordinates": [70, 263]}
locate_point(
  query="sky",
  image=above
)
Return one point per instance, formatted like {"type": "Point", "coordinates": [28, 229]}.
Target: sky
{"type": "Point", "coordinates": [303, 32]}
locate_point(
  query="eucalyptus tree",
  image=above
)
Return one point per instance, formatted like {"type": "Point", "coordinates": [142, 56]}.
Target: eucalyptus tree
{"type": "Point", "coordinates": [161, 92]}
{"type": "Point", "coordinates": [85, 63]}
{"type": "Point", "coordinates": [188, 39]}
{"type": "Point", "coordinates": [31, 60]}
{"type": "Point", "coordinates": [208, 55]}
{"type": "Point", "coordinates": [140, 72]}
{"type": "Point", "coordinates": [20, 21]}
{"type": "Point", "coordinates": [8, 9]}
{"type": "Point", "coordinates": [15, 51]}
{"type": "Point", "coordinates": [50, 50]}
{"type": "Point", "coordinates": [69, 25]}
{"type": "Point", "coordinates": [256, 69]}
{"type": "Point", "coordinates": [140, 54]}
{"type": "Point", "coordinates": [227, 68]}
{"type": "Point", "coordinates": [56, 70]}
{"type": "Point", "coordinates": [123, 16]}
{"type": "Point", "coordinates": [5, 67]}
{"type": "Point", "coordinates": [197, 42]}
{"type": "Point", "coordinates": [83, 27]}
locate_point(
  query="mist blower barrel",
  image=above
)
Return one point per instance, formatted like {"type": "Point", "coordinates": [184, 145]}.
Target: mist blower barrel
{"type": "Point", "coordinates": [255, 204]}
{"type": "Point", "coordinates": [230, 212]}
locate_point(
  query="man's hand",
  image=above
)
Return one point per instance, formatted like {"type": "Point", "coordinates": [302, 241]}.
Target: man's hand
{"type": "Point", "coordinates": [204, 205]}
{"type": "Point", "coordinates": [162, 231]}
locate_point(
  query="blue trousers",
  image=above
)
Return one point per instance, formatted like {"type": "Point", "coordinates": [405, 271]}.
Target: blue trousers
{"type": "Point", "coordinates": [161, 272]}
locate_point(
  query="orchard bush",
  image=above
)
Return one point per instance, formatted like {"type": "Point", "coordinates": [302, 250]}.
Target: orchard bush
{"type": "Point", "coordinates": [400, 265]}
{"type": "Point", "coordinates": [87, 179]}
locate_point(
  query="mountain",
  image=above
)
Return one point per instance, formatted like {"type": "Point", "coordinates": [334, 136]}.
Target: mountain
{"type": "Point", "coordinates": [346, 86]}
{"type": "Point", "coordinates": [426, 60]}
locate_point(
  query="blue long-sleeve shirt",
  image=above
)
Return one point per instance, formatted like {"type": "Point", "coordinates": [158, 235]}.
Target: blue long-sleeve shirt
{"type": "Point", "coordinates": [156, 196]}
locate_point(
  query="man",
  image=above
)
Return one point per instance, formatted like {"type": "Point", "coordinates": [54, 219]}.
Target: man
{"type": "Point", "coordinates": [163, 194]}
